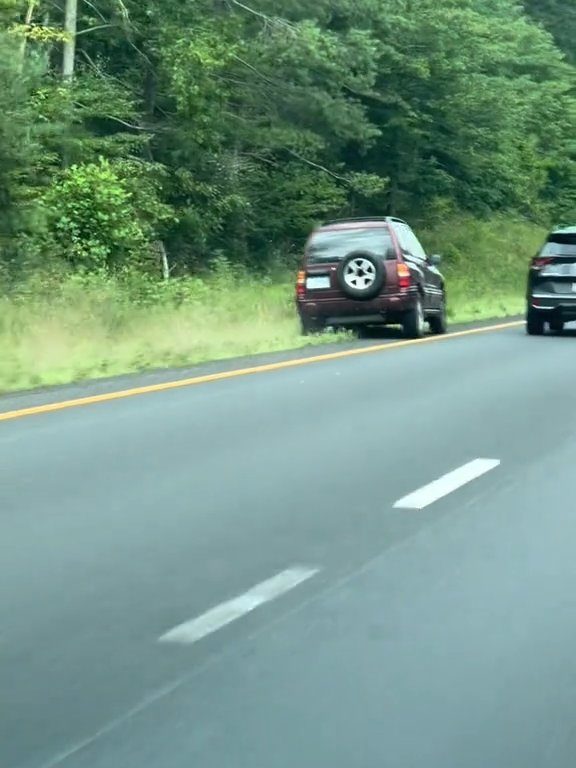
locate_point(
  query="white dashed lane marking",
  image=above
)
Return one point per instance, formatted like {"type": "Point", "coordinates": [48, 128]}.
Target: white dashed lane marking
{"type": "Point", "coordinates": [225, 613]}
{"type": "Point", "coordinates": [446, 484]}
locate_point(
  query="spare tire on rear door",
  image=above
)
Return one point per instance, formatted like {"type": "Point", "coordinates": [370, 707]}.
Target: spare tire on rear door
{"type": "Point", "coordinates": [361, 275]}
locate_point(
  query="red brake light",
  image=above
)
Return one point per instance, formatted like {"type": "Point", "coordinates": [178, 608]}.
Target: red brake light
{"type": "Point", "coordinates": [301, 283]}
{"type": "Point", "coordinates": [540, 261]}
{"type": "Point", "coordinates": [404, 277]}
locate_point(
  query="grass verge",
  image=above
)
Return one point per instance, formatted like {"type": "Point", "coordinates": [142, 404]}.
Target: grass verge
{"type": "Point", "coordinates": [88, 327]}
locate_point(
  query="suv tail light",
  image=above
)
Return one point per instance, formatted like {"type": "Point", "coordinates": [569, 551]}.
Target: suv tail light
{"type": "Point", "coordinates": [301, 284]}
{"type": "Point", "coordinates": [540, 261]}
{"type": "Point", "coordinates": [404, 277]}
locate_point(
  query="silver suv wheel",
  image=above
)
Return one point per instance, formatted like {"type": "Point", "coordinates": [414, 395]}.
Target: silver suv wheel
{"type": "Point", "coordinates": [359, 273]}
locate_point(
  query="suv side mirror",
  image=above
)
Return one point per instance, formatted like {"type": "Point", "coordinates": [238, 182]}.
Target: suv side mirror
{"type": "Point", "coordinates": [435, 260]}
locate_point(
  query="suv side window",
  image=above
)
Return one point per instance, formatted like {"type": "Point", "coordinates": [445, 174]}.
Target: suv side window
{"type": "Point", "coordinates": [413, 245]}
{"type": "Point", "coordinates": [400, 231]}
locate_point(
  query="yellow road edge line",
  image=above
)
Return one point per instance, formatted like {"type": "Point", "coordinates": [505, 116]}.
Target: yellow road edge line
{"type": "Point", "coordinates": [237, 372]}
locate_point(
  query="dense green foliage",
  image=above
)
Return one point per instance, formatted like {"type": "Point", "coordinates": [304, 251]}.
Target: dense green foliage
{"type": "Point", "coordinates": [224, 128]}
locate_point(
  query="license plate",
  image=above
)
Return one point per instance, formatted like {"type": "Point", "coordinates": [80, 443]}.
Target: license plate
{"type": "Point", "coordinates": [319, 281]}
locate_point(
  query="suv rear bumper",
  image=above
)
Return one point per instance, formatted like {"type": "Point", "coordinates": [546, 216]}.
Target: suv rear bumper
{"type": "Point", "coordinates": [383, 309]}
{"type": "Point", "coordinates": [551, 305]}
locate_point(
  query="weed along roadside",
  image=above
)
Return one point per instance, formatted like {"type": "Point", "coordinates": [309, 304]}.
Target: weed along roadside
{"type": "Point", "coordinates": [57, 332]}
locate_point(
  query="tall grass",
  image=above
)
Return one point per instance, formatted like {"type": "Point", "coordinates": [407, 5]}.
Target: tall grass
{"type": "Point", "coordinates": [87, 327]}
{"type": "Point", "coordinates": [54, 331]}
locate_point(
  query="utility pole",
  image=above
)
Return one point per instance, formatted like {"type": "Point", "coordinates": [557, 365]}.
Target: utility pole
{"type": "Point", "coordinates": [70, 28]}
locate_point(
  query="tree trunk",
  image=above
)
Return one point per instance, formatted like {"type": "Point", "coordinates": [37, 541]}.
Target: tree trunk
{"type": "Point", "coordinates": [27, 21]}
{"type": "Point", "coordinates": [160, 249]}
{"type": "Point", "coordinates": [70, 25]}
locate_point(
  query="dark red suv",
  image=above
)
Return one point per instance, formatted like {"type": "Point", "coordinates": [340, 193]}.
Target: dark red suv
{"type": "Point", "coordinates": [359, 272]}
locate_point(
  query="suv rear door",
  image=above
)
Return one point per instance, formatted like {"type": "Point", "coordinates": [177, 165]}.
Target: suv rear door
{"type": "Point", "coordinates": [553, 271]}
{"type": "Point", "coordinates": [328, 246]}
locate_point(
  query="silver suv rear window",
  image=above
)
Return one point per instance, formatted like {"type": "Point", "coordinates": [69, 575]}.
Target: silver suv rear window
{"type": "Point", "coordinates": [560, 245]}
{"type": "Point", "coordinates": [334, 245]}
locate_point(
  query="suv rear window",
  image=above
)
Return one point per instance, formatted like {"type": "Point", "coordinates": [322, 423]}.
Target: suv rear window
{"type": "Point", "coordinates": [560, 245]}
{"type": "Point", "coordinates": [334, 245]}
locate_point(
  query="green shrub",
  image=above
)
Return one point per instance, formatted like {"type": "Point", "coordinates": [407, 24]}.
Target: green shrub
{"type": "Point", "coordinates": [105, 215]}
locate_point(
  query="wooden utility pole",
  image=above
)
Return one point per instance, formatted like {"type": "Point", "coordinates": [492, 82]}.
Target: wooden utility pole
{"type": "Point", "coordinates": [70, 28]}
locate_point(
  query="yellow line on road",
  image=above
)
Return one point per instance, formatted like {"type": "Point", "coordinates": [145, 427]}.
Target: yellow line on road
{"type": "Point", "coordinates": [235, 373]}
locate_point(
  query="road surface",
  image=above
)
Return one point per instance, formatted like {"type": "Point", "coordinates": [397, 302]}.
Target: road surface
{"type": "Point", "coordinates": [368, 561]}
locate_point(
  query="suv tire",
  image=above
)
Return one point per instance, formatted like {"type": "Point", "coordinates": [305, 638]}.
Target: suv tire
{"type": "Point", "coordinates": [438, 323]}
{"type": "Point", "coordinates": [556, 326]}
{"type": "Point", "coordinates": [361, 275]}
{"type": "Point", "coordinates": [413, 321]}
{"type": "Point", "coordinates": [534, 323]}
{"type": "Point", "coordinates": [311, 327]}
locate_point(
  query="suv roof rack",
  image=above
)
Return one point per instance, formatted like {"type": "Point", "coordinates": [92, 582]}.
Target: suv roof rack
{"type": "Point", "coordinates": [364, 218]}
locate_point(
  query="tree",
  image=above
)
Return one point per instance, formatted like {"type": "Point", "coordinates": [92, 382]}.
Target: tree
{"type": "Point", "coordinates": [20, 147]}
{"type": "Point", "coordinates": [246, 123]}
{"type": "Point", "coordinates": [69, 46]}
{"type": "Point", "coordinates": [559, 18]}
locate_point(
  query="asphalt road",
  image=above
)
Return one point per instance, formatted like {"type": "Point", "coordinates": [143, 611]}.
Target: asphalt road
{"type": "Point", "coordinates": [237, 575]}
